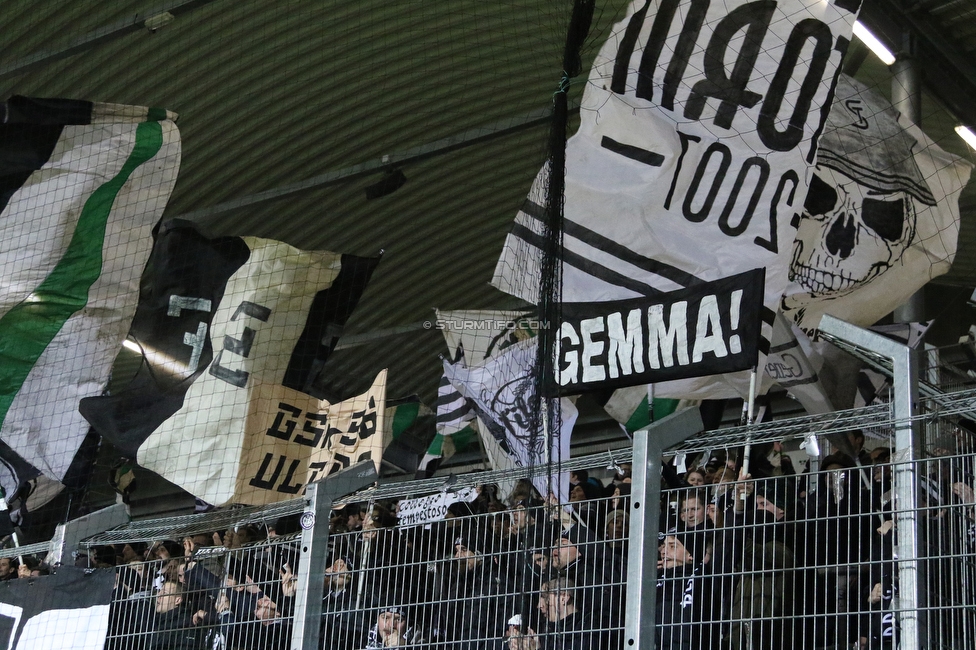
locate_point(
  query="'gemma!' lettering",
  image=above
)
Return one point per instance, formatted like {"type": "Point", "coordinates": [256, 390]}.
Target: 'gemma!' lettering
{"type": "Point", "coordinates": [707, 329]}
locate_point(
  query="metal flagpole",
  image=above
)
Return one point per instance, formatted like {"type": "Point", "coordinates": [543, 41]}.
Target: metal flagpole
{"type": "Point", "coordinates": [750, 415]}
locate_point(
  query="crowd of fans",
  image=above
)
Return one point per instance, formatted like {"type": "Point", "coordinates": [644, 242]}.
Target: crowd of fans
{"type": "Point", "coordinates": [767, 559]}
{"type": "Point", "coordinates": [776, 559]}
{"type": "Point", "coordinates": [521, 575]}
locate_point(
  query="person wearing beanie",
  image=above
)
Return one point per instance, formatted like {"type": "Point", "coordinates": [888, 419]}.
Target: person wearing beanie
{"type": "Point", "coordinates": [840, 526]}
{"type": "Point", "coordinates": [680, 595]}
{"type": "Point", "coordinates": [379, 553]}
{"type": "Point", "coordinates": [768, 594]}
{"type": "Point", "coordinates": [578, 555]}
{"type": "Point", "coordinates": [583, 497]}
{"type": "Point", "coordinates": [469, 605]}
{"type": "Point", "coordinates": [774, 498]}
{"type": "Point", "coordinates": [393, 627]}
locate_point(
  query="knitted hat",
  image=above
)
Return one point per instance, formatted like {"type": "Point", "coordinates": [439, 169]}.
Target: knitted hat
{"type": "Point", "coordinates": [778, 492]}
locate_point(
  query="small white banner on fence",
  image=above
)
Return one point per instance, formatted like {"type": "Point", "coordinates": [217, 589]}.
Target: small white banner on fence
{"type": "Point", "coordinates": [415, 512]}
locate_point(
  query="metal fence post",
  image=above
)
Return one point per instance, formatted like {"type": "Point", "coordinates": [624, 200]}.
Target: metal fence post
{"type": "Point", "coordinates": [315, 549]}
{"type": "Point", "coordinates": [69, 534]}
{"type": "Point", "coordinates": [905, 366]}
{"type": "Point", "coordinates": [645, 501]}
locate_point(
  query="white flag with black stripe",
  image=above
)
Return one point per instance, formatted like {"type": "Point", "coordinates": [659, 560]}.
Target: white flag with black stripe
{"type": "Point", "coordinates": [455, 425]}
{"type": "Point", "coordinates": [502, 392]}
{"type": "Point", "coordinates": [881, 217]}
{"type": "Point", "coordinates": [66, 610]}
{"type": "Point", "coordinates": [698, 127]}
{"type": "Point", "coordinates": [81, 186]}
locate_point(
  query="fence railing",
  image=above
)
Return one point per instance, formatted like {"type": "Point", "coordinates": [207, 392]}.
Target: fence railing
{"type": "Point", "coordinates": [865, 550]}
{"type": "Point", "coordinates": [792, 560]}
{"type": "Point", "coordinates": [206, 597]}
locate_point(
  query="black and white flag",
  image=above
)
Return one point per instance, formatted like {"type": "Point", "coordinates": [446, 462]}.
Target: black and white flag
{"type": "Point", "coordinates": [881, 217]}
{"type": "Point", "coordinates": [68, 610]}
{"type": "Point", "coordinates": [502, 392]}
{"type": "Point", "coordinates": [710, 329]}
{"type": "Point", "coordinates": [699, 125]}
{"type": "Point", "coordinates": [231, 331]}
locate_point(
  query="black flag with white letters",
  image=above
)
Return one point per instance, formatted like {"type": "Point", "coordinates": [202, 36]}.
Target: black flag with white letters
{"type": "Point", "coordinates": [69, 609]}
{"type": "Point", "coordinates": [183, 288]}
{"type": "Point", "coordinates": [698, 125]}
{"type": "Point", "coordinates": [709, 329]}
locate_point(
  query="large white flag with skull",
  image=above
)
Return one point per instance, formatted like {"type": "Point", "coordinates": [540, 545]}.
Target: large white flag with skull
{"type": "Point", "coordinates": [698, 127]}
{"type": "Point", "coordinates": [881, 217]}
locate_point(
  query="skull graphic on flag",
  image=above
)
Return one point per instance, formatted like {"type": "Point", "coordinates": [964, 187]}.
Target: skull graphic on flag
{"type": "Point", "coordinates": [880, 217]}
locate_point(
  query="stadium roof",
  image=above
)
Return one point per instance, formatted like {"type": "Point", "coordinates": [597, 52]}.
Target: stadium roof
{"type": "Point", "coordinates": [290, 110]}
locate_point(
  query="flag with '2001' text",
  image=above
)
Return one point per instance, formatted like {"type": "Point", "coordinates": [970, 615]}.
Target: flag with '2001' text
{"type": "Point", "coordinates": [699, 126]}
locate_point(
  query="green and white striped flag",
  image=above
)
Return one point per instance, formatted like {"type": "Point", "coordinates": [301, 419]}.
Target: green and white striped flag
{"type": "Point", "coordinates": [631, 407]}
{"type": "Point", "coordinates": [456, 426]}
{"type": "Point", "coordinates": [81, 186]}
{"type": "Point", "coordinates": [401, 415]}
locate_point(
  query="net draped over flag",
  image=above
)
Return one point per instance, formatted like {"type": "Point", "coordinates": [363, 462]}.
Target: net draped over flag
{"type": "Point", "coordinates": [455, 426]}
{"type": "Point", "coordinates": [881, 218]}
{"type": "Point", "coordinates": [82, 186]}
{"type": "Point", "coordinates": [501, 392]}
{"type": "Point", "coordinates": [473, 337]}
{"type": "Point", "coordinates": [231, 331]}
{"type": "Point", "coordinates": [698, 126]}
{"type": "Point", "coordinates": [480, 335]}
{"type": "Point", "coordinates": [483, 334]}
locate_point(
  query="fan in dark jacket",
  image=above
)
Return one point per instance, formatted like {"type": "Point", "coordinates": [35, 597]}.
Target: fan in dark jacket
{"type": "Point", "coordinates": [172, 622]}
{"type": "Point", "coordinates": [470, 603]}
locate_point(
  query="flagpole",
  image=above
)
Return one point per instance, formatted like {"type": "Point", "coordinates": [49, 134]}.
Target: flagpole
{"type": "Point", "coordinates": [366, 550]}
{"type": "Point", "coordinates": [750, 414]}
{"type": "Point", "coordinates": [547, 441]}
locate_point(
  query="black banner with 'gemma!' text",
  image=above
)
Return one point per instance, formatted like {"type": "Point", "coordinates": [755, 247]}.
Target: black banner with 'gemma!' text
{"type": "Point", "coordinates": [708, 329]}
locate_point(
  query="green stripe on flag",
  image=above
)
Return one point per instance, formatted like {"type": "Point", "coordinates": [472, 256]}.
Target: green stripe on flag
{"type": "Point", "coordinates": [664, 407]}
{"type": "Point", "coordinates": [436, 446]}
{"type": "Point", "coordinates": [29, 327]}
{"type": "Point", "coordinates": [464, 438]}
{"type": "Point", "coordinates": [640, 418]}
{"type": "Point", "coordinates": [404, 416]}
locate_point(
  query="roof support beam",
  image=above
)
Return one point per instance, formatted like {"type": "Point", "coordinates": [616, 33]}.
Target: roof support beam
{"type": "Point", "coordinates": [101, 35]}
{"type": "Point", "coordinates": [433, 149]}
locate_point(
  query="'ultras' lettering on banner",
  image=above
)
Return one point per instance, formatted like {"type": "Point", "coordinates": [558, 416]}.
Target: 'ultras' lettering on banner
{"type": "Point", "coordinates": [294, 439]}
{"type": "Point", "coordinates": [233, 330]}
{"type": "Point", "coordinates": [713, 328]}
{"type": "Point", "coordinates": [699, 124]}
